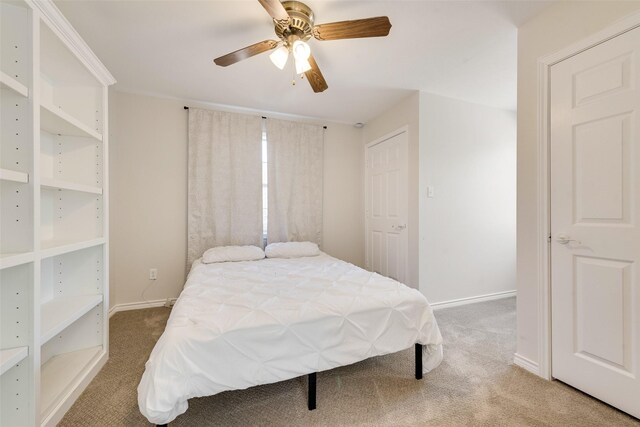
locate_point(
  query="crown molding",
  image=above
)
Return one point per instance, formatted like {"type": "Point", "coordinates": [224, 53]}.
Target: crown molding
{"type": "Point", "coordinates": [63, 29]}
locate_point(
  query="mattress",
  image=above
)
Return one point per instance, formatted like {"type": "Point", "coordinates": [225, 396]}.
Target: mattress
{"type": "Point", "coordinates": [241, 324]}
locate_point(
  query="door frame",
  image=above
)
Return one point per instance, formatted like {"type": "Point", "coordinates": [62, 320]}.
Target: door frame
{"type": "Point", "coordinates": [401, 130]}
{"type": "Point", "coordinates": [543, 234]}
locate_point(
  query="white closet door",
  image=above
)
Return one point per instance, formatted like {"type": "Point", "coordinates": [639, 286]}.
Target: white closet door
{"type": "Point", "coordinates": [595, 221]}
{"type": "Point", "coordinates": [386, 207]}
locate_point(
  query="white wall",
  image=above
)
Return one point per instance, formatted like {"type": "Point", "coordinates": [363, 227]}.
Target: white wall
{"type": "Point", "coordinates": [555, 28]}
{"type": "Point", "coordinates": [405, 113]}
{"type": "Point", "coordinates": [470, 231]}
{"type": "Point", "coordinates": [343, 235]}
{"type": "Point", "coordinates": [467, 152]}
{"type": "Point", "coordinates": [148, 170]}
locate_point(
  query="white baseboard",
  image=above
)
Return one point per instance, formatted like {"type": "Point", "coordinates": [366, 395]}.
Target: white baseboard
{"type": "Point", "coordinates": [526, 364]}
{"type": "Point", "coordinates": [140, 305]}
{"type": "Point", "coordinates": [472, 300]}
{"type": "Point", "coordinates": [436, 306]}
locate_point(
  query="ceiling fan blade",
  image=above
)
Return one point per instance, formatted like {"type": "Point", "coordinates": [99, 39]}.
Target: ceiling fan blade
{"type": "Point", "coordinates": [244, 53]}
{"type": "Point", "coordinates": [315, 77]}
{"type": "Point", "coordinates": [358, 28]}
{"type": "Point", "coordinates": [277, 11]}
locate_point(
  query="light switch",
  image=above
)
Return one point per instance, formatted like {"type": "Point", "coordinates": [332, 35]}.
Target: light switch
{"type": "Point", "coordinates": [430, 192]}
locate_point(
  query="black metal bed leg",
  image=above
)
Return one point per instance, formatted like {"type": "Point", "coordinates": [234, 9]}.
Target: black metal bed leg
{"type": "Point", "coordinates": [311, 402]}
{"type": "Point", "coordinates": [418, 361]}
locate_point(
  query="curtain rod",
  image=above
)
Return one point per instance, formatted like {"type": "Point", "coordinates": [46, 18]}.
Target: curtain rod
{"type": "Point", "coordinates": [186, 108]}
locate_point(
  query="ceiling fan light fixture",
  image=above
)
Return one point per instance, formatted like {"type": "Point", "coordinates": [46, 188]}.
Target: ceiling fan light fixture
{"type": "Point", "coordinates": [294, 23]}
{"type": "Point", "coordinates": [302, 65]}
{"type": "Point", "coordinates": [279, 57]}
{"type": "Point", "coordinates": [301, 50]}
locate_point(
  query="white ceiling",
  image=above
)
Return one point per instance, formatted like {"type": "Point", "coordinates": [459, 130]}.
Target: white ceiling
{"type": "Point", "coordinates": [465, 50]}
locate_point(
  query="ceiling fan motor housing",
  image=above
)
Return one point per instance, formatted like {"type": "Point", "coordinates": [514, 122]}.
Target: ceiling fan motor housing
{"type": "Point", "coordinates": [301, 23]}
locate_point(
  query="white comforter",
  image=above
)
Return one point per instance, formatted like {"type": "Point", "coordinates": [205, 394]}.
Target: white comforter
{"type": "Point", "coordinates": [240, 324]}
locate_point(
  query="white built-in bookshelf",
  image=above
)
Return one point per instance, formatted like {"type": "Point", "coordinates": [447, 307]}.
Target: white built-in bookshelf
{"type": "Point", "coordinates": [53, 214]}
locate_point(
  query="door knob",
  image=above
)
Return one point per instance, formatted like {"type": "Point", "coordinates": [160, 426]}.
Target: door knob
{"type": "Point", "coordinates": [400, 227]}
{"type": "Point", "coordinates": [564, 239]}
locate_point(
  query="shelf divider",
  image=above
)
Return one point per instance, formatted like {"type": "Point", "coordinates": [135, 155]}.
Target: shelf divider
{"type": "Point", "coordinates": [54, 247]}
{"type": "Point", "coordinates": [11, 83]}
{"type": "Point", "coordinates": [59, 313]}
{"type": "Point", "coordinates": [67, 185]}
{"type": "Point", "coordinates": [9, 260]}
{"type": "Point", "coordinates": [12, 356]}
{"type": "Point", "coordinates": [58, 122]}
{"type": "Point", "coordinates": [14, 176]}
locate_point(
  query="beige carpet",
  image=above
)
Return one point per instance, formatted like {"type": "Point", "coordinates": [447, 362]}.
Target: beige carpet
{"type": "Point", "coordinates": [476, 385]}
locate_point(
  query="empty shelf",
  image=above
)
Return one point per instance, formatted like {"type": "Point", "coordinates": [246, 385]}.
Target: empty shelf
{"type": "Point", "coordinates": [56, 121]}
{"type": "Point", "coordinates": [14, 176]}
{"type": "Point", "coordinates": [58, 247]}
{"type": "Point", "coordinates": [8, 260]}
{"type": "Point", "coordinates": [66, 185]}
{"type": "Point", "coordinates": [11, 83]}
{"type": "Point", "coordinates": [59, 313]}
{"type": "Point", "coordinates": [11, 357]}
{"type": "Point", "coordinates": [60, 373]}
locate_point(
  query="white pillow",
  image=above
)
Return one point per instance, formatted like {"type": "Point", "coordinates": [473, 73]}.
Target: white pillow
{"type": "Point", "coordinates": [232, 253]}
{"type": "Point", "coordinates": [292, 250]}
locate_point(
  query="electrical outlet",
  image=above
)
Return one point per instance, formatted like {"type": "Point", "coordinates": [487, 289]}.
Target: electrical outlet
{"type": "Point", "coordinates": [153, 273]}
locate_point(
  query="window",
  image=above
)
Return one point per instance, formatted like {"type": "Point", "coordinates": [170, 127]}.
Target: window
{"type": "Point", "coordinates": [265, 189]}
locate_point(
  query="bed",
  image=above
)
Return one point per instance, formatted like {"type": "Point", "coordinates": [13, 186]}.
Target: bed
{"type": "Point", "coordinates": [242, 324]}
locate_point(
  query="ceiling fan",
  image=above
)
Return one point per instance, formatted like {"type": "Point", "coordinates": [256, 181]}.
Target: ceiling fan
{"type": "Point", "coordinates": [294, 25]}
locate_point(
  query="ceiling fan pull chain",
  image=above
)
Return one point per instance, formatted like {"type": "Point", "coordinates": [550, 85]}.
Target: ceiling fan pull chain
{"type": "Point", "coordinates": [293, 80]}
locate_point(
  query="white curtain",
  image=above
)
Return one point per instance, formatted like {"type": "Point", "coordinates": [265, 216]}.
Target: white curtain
{"type": "Point", "coordinates": [225, 181]}
{"type": "Point", "coordinates": [295, 155]}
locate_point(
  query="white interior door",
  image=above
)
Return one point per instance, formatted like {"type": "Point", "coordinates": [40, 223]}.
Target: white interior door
{"type": "Point", "coordinates": [595, 220]}
{"type": "Point", "coordinates": [386, 206]}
